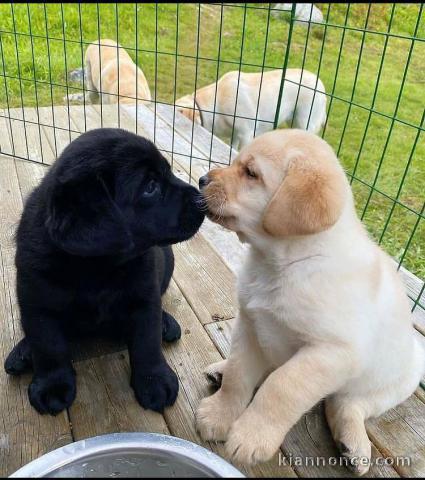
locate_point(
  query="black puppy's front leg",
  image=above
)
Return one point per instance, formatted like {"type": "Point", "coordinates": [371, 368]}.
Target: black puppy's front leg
{"type": "Point", "coordinates": [53, 386]}
{"type": "Point", "coordinates": [154, 382]}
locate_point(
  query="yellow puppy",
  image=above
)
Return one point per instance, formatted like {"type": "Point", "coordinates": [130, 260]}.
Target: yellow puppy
{"type": "Point", "coordinates": [110, 72]}
{"type": "Point", "coordinates": [323, 313]}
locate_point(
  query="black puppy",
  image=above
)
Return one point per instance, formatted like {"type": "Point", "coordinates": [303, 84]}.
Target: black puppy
{"type": "Point", "coordinates": [93, 256]}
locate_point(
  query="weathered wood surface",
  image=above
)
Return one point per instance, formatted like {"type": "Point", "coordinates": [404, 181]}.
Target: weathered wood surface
{"type": "Point", "coordinates": [24, 434]}
{"type": "Point", "coordinates": [205, 281]}
{"type": "Point", "coordinates": [201, 297]}
{"type": "Point", "coordinates": [105, 402]}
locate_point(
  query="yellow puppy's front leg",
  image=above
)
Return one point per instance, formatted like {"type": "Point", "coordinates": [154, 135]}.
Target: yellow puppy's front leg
{"type": "Point", "coordinates": [241, 374]}
{"type": "Point", "coordinates": [294, 388]}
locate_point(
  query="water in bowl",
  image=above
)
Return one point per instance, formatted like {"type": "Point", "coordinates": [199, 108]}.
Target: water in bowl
{"type": "Point", "coordinates": [131, 464]}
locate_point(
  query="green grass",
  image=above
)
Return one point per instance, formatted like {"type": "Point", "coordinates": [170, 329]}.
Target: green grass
{"type": "Point", "coordinates": [346, 128]}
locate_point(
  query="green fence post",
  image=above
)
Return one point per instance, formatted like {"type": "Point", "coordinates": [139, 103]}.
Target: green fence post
{"type": "Point", "coordinates": [285, 65]}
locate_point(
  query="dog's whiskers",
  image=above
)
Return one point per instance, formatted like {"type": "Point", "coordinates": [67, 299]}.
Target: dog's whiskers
{"type": "Point", "coordinates": [204, 199]}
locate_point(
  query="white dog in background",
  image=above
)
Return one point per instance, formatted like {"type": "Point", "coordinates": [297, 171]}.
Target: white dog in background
{"type": "Point", "coordinates": [303, 103]}
{"type": "Point", "coordinates": [323, 313]}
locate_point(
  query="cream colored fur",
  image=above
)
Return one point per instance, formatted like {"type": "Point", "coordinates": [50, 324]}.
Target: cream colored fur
{"type": "Point", "coordinates": [323, 313]}
{"type": "Point", "coordinates": [110, 72]}
{"type": "Point", "coordinates": [303, 102]}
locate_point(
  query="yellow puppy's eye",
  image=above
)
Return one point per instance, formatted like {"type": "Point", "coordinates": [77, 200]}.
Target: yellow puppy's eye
{"type": "Point", "coordinates": [250, 172]}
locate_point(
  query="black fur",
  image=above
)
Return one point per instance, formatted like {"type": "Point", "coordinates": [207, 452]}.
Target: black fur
{"type": "Point", "coordinates": [94, 257]}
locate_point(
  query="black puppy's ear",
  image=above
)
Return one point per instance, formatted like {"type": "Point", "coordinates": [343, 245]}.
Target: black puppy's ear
{"type": "Point", "coordinates": [84, 220]}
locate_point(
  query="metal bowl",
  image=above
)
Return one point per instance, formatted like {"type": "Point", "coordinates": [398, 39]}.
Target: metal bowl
{"type": "Point", "coordinates": [138, 455]}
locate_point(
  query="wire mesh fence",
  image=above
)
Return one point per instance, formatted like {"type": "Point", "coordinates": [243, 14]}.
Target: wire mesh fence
{"type": "Point", "coordinates": [352, 73]}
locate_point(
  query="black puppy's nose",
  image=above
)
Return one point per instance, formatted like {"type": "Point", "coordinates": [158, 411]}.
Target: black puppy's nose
{"type": "Point", "coordinates": [204, 181]}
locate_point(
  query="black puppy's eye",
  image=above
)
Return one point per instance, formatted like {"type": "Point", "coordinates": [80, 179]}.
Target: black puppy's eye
{"type": "Point", "coordinates": [151, 188]}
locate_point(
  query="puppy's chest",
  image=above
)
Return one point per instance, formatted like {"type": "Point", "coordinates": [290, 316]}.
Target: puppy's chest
{"type": "Point", "coordinates": [263, 294]}
{"type": "Point", "coordinates": [270, 313]}
{"type": "Point", "coordinates": [104, 298]}
{"type": "Point", "coordinates": [96, 302]}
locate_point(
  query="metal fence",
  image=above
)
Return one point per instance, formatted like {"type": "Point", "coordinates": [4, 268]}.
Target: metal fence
{"type": "Point", "coordinates": [368, 56]}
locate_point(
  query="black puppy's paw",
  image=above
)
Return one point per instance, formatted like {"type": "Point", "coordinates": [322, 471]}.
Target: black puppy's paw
{"type": "Point", "coordinates": [156, 390]}
{"type": "Point", "coordinates": [171, 330]}
{"type": "Point", "coordinates": [19, 360]}
{"type": "Point", "coordinates": [53, 392]}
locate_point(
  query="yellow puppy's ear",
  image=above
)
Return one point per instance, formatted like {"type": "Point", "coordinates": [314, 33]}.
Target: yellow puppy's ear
{"type": "Point", "coordinates": [309, 200]}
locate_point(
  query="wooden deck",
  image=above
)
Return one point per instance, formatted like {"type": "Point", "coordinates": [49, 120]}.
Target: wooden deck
{"type": "Point", "coordinates": [201, 297]}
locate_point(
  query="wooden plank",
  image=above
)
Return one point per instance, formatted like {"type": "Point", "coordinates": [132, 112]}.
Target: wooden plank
{"type": "Point", "coordinates": [115, 116]}
{"type": "Point", "coordinates": [105, 402]}
{"type": "Point", "coordinates": [107, 116]}
{"type": "Point", "coordinates": [420, 337]}
{"type": "Point", "coordinates": [29, 139]}
{"type": "Point", "coordinates": [198, 158]}
{"type": "Point", "coordinates": [420, 393]}
{"type": "Point", "coordinates": [10, 202]}
{"type": "Point", "coordinates": [84, 119]}
{"type": "Point", "coordinates": [210, 145]}
{"type": "Point", "coordinates": [205, 280]}
{"type": "Point", "coordinates": [413, 284]}
{"type": "Point", "coordinates": [189, 357]}
{"type": "Point", "coordinates": [310, 437]}
{"type": "Point", "coordinates": [418, 315]}
{"type": "Point", "coordinates": [400, 432]}
{"type": "Point", "coordinates": [6, 145]}
{"type": "Point", "coordinates": [221, 334]}
{"type": "Point", "coordinates": [156, 128]}
{"type": "Point", "coordinates": [29, 175]}
{"type": "Point", "coordinates": [57, 128]}
{"type": "Point", "coordinates": [226, 243]}
{"type": "Point", "coordinates": [24, 434]}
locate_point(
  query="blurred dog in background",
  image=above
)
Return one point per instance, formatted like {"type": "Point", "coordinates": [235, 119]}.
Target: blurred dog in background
{"type": "Point", "coordinates": [246, 103]}
{"type": "Point", "coordinates": [110, 72]}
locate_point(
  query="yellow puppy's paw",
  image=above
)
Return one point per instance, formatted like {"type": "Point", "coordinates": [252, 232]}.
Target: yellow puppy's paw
{"type": "Point", "coordinates": [214, 418]}
{"type": "Point", "coordinates": [357, 456]}
{"type": "Point", "coordinates": [214, 373]}
{"type": "Point", "coordinates": [250, 442]}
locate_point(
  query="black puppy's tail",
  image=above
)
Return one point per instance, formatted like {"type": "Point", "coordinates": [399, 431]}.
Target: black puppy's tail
{"type": "Point", "coordinates": [19, 360]}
